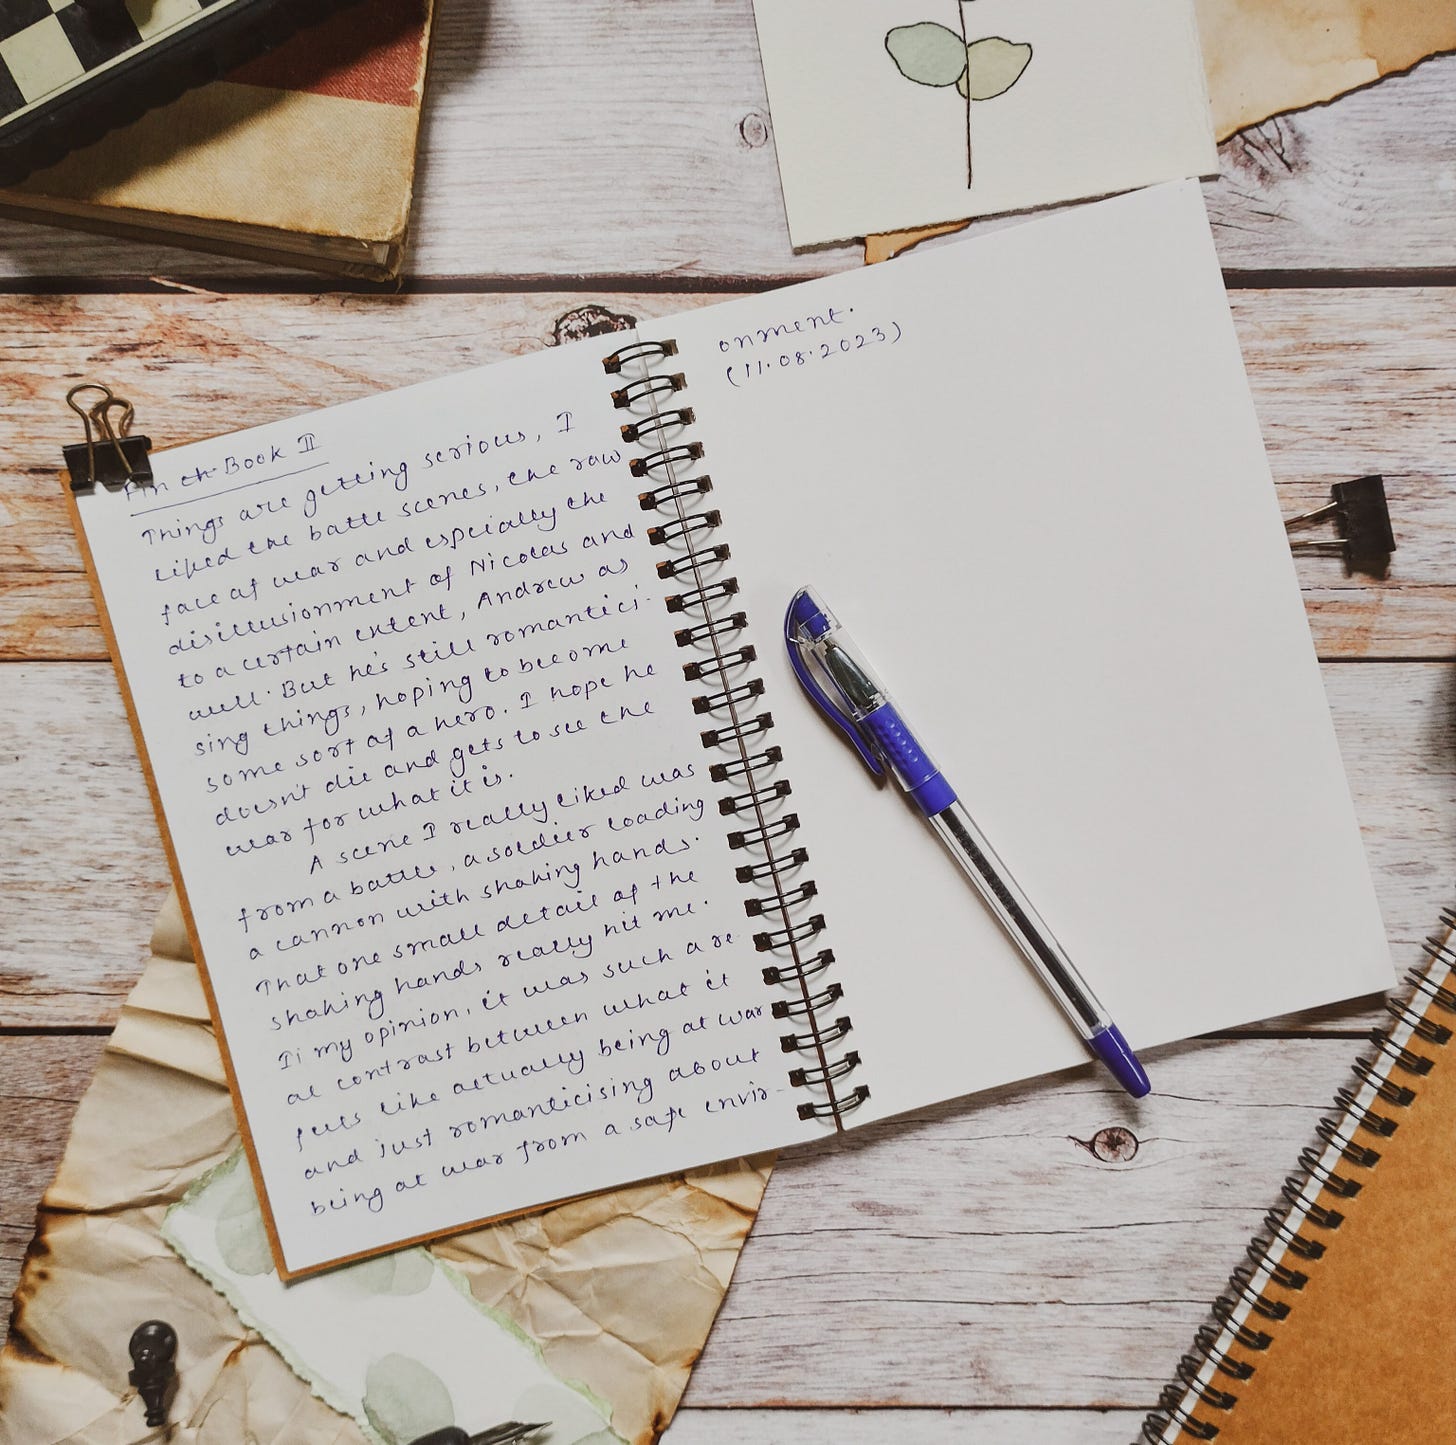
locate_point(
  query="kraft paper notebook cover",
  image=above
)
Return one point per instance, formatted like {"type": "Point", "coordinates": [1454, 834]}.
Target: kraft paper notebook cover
{"type": "Point", "coordinates": [1340, 1327]}
{"type": "Point", "coordinates": [518, 864]}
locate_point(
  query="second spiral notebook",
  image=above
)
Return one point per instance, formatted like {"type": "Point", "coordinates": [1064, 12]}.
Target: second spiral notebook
{"type": "Point", "coordinates": [519, 867]}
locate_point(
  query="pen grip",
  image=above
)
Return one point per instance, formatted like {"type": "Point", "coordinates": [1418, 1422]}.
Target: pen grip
{"type": "Point", "coordinates": [913, 767]}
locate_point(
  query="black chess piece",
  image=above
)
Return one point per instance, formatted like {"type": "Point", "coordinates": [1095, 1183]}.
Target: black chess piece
{"type": "Point", "coordinates": [153, 1349]}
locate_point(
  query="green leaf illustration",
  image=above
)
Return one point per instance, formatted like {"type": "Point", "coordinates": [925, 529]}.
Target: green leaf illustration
{"type": "Point", "coordinates": [927, 53]}
{"type": "Point", "coordinates": [404, 1399]}
{"type": "Point", "coordinates": [241, 1239]}
{"type": "Point", "coordinates": [993, 66]}
{"type": "Point", "coordinates": [406, 1271]}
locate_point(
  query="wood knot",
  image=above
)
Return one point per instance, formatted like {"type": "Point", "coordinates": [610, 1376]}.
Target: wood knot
{"type": "Point", "coordinates": [1113, 1145]}
{"type": "Point", "coordinates": [753, 130]}
{"type": "Point", "coordinates": [591, 320]}
{"type": "Point", "coordinates": [1269, 152]}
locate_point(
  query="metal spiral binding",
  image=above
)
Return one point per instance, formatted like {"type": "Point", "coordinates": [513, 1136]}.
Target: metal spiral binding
{"type": "Point", "coordinates": [721, 661]}
{"type": "Point", "coordinates": [1286, 1256]}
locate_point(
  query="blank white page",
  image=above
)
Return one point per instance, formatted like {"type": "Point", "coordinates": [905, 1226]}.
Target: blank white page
{"type": "Point", "coordinates": [1026, 473]}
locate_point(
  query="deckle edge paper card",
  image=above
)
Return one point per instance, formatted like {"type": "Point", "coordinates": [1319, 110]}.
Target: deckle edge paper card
{"type": "Point", "coordinates": [398, 1342]}
{"type": "Point", "coordinates": [517, 866]}
{"type": "Point", "coordinates": [890, 116]}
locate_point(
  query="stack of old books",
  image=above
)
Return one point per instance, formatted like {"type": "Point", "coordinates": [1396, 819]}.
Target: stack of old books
{"type": "Point", "coordinates": [305, 156]}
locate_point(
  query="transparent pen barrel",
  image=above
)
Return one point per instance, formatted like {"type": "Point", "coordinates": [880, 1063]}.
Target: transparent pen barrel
{"type": "Point", "coordinates": [1021, 921]}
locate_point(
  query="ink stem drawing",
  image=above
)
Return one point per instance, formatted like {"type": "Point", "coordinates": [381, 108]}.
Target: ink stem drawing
{"type": "Point", "coordinates": [935, 55]}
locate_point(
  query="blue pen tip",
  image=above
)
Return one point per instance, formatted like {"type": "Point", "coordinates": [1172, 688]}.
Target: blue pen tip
{"type": "Point", "coordinates": [1110, 1046]}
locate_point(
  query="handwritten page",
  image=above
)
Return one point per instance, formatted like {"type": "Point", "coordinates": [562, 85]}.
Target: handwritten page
{"type": "Point", "coordinates": [439, 802]}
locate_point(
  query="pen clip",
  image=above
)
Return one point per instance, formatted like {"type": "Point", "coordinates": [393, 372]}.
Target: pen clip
{"type": "Point", "coordinates": [805, 613]}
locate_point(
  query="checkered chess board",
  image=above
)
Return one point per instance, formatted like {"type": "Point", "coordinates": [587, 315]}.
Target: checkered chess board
{"type": "Point", "coordinates": [48, 47]}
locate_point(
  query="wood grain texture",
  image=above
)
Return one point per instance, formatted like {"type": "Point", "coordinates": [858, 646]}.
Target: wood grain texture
{"type": "Point", "coordinates": [904, 1427]}
{"type": "Point", "coordinates": [974, 1273]}
{"type": "Point", "coordinates": [84, 873]}
{"type": "Point", "coordinates": [587, 137]}
{"type": "Point", "coordinates": [981, 1255]}
{"type": "Point", "coordinates": [1346, 381]}
{"type": "Point", "coordinates": [978, 1255]}
{"type": "Point", "coordinates": [41, 1082]}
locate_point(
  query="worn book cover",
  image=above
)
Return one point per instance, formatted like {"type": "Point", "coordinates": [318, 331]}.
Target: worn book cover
{"type": "Point", "coordinates": [305, 156]}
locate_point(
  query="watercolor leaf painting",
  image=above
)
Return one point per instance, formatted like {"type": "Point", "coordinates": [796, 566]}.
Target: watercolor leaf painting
{"type": "Point", "coordinates": [937, 56]}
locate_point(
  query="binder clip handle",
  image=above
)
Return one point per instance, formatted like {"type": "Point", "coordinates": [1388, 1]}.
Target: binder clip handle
{"type": "Point", "coordinates": [109, 455]}
{"type": "Point", "coordinates": [1362, 524]}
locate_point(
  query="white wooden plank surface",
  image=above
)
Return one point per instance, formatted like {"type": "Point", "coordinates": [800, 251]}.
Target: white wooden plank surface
{"type": "Point", "coordinates": [1346, 381]}
{"type": "Point", "coordinates": [82, 874]}
{"type": "Point", "coordinates": [41, 1082]}
{"type": "Point", "coordinates": [904, 1427]}
{"type": "Point", "coordinates": [588, 137]}
{"type": "Point", "coordinates": [978, 1255]}
{"type": "Point", "coordinates": [975, 1274]}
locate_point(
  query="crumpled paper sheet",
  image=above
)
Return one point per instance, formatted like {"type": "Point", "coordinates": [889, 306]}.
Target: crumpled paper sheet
{"type": "Point", "coordinates": [1264, 57]}
{"type": "Point", "coordinates": [619, 1290]}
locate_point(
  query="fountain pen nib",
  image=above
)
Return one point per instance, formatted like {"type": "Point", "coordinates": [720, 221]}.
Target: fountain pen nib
{"type": "Point", "coordinates": [509, 1433]}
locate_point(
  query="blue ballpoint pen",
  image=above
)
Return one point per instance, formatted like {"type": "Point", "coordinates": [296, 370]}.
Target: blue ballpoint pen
{"type": "Point", "coordinates": [848, 693]}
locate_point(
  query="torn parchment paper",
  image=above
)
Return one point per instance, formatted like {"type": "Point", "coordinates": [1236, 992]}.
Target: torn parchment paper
{"type": "Point", "coordinates": [1265, 57]}
{"type": "Point", "coordinates": [618, 1290]}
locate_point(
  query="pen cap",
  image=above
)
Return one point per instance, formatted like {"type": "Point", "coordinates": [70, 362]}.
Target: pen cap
{"type": "Point", "coordinates": [845, 689]}
{"type": "Point", "coordinates": [809, 630]}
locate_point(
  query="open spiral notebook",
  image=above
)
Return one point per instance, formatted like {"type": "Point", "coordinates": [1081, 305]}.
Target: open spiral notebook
{"type": "Point", "coordinates": [519, 867]}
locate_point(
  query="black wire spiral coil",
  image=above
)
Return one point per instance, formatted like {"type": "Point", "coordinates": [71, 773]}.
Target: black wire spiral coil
{"type": "Point", "coordinates": [722, 661]}
{"type": "Point", "coordinates": [1192, 1401]}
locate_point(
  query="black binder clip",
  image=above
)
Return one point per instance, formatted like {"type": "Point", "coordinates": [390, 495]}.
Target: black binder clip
{"type": "Point", "coordinates": [153, 1347]}
{"type": "Point", "coordinates": [507, 1434]}
{"type": "Point", "coordinates": [108, 455]}
{"type": "Point", "coordinates": [1362, 521]}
